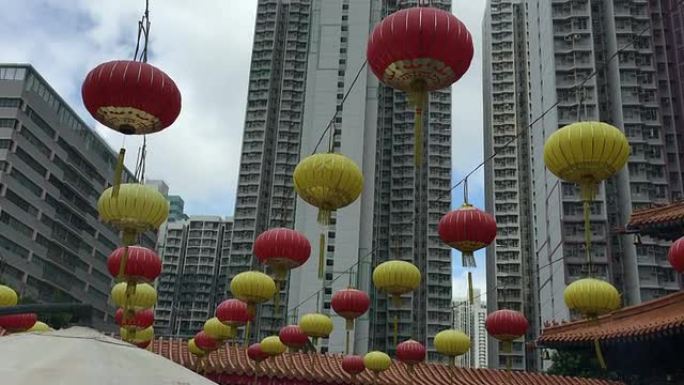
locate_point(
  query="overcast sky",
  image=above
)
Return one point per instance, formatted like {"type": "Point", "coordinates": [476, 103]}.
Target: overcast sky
{"type": "Point", "coordinates": [205, 47]}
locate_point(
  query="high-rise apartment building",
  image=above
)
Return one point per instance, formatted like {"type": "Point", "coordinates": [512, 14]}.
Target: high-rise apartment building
{"type": "Point", "coordinates": [53, 168]}
{"type": "Point", "coordinates": [176, 208]}
{"type": "Point", "coordinates": [193, 280]}
{"type": "Point", "coordinates": [470, 318]}
{"type": "Point", "coordinates": [511, 269]}
{"type": "Point", "coordinates": [613, 61]}
{"type": "Point", "coordinates": [305, 58]}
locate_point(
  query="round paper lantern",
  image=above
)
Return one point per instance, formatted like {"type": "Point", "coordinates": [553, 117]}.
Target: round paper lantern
{"type": "Point", "coordinates": [506, 325]}
{"type": "Point", "coordinates": [134, 264]}
{"type": "Point", "coordinates": [8, 297]}
{"type": "Point", "coordinates": [252, 287]}
{"type": "Point", "coordinates": [411, 352]}
{"type": "Point", "coordinates": [144, 296]}
{"type": "Point", "coordinates": [131, 97]}
{"type": "Point", "coordinates": [316, 325]}
{"type": "Point", "coordinates": [353, 365]}
{"type": "Point", "coordinates": [273, 346]}
{"type": "Point", "coordinates": [232, 312]}
{"type": "Point", "coordinates": [676, 255]}
{"type": "Point", "coordinates": [137, 337]}
{"type": "Point", "coordinates": [217, 330]}
{"type": "Point", "coordinates": [350, 304]}
{"type": "Point", "coordinates": [134, 209]}
{"type": "Point", "coordinates": [396, 278]}
{"type": "Point", "coordinates": [328, 181]}
{"type": "Point", "coordinates": [141, 319]}
{"type": "Point", "coordinates": [193, 349]}
{"type": "Point", "coordinates": [282, 249]}
{"type": "Point", "coordinates": [452, 343]}
{"type": "Point", "coordinates": [14, 323]}
{"type": "Point", "coordinates": [591, 297]}
{"type": "Point", "coordinates": [376, 362]}
{"type": "Point", "coordinates": [205, 342]}
{"type": "Point", "coordinates": [255, 353]}
{"type": "Point", "coordinates": [586, 153]}
{"type": "Point", "coordinates": [39, 327]}
{"type": "Point", "coordinates": [467, 229]}
{"type": "Point", "coordinates": [293, 336]}
{"type": "Point", "coordinates": [418, 50]}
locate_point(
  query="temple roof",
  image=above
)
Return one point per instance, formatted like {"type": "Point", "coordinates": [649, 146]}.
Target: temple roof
{"type": "Point", "coordinates": [664, 221]}
{"type": "Point", "coordinates": [662, 316]}
{"type": "Point", "coordinates": [230, 365]}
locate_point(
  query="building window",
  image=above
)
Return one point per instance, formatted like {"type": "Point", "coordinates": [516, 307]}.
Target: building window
{"type": "Point", "coordinates": [10, 102]}
{"type": "Point", "coordinates": [26, 182]}
{"type": "Point", "coordinates": [13, 247]}
{"type": "Point", "coordinates": [8, 123]}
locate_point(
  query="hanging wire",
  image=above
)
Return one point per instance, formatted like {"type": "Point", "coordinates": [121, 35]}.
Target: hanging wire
{"type": "Point", "coordinates": [604, 66]}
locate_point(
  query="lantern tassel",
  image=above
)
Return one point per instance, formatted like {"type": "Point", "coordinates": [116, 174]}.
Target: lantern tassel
{"type": "Point", "coordinates": [396, 301]}
{"type": "Point", "coordinates": [321, 256]}
{"type": "Point", "coordinates": [346, 342]}
{"type": "Point", "coordinates": [468, 259]}
{"type": "Point", "coordinates": [118, 171]}
{"type": "Point", "coordinates": [276, 299]}
{"type": "Point", "coordinates": [349, 326]}
{"type": "Point", "coordinates": [508, 348]}
{"type": "Point", "coordinates": [599, 354]}
{"type": "Point", "coordinates": [471, 295]}
{"type": "Point", "coordinates": [418, 132]}
{"type": "Point", "coordinates": [588, 192]}
{"type": "Point", "coordinates": [246, 342]}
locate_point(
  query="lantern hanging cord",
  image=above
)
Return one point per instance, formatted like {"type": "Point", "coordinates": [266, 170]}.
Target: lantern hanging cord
{"type": "Point", "coordinates": [144, 34]}
{"type": "Point", "coordinates": [603, 67]}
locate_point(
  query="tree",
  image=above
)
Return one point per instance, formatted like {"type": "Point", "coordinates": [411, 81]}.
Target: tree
{"type": "Point", "coordinates": [578, 363]}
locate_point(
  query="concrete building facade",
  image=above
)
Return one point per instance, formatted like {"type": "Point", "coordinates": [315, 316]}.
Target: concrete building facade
{"type": "Point", "coordinates": [470, 318]}
{"type": "Point", "coordinates": [306, 56]}
{"type": "Point", "coordinates": [53, 168]}
{"type": "Point", "coordinates": [193, 279]}
{"type": "Point", "coordinates": [615, 61]}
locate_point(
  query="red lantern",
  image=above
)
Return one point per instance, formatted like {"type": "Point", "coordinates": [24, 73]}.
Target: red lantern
{"type": "Point", "coordinates": [233, 312]}
{"type": "Point", "coordinates": [141, 264]}
{"type": "Point", "coordinates": [353, 365]}
{"type": "Point", "coordinates": [676, 255]}
{"type": "Point", "coordinates": [350, 304]}
{"type": "Point", "coordinates": [139, 320]}
{"type": "Point", "coordinates": [131, 97]}
{"type": "Point", "coordinates": [143, 344]}
{"type": "Point", "coordinates": [293, 337]}
{"type": "Point", "coordinates": [18, 322]}
{"type": "Point", "coordinates": [206, 343]}
{"type": "Point", "coordinates": [411, 352]}
{"type": "Point", "coordinates": [282, 249]}
{"type": "Point", "coordinates": [418, 50]}
{"type": "Point", "coordinates": [506, 325]}
{"type": "Point", "coordinates": [255, 353]}
{"type": "Point", "coordinates": [467, 229]}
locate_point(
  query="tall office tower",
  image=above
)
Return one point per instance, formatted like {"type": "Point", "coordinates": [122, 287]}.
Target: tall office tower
{"type": "Point", "coordinates": [511, 269]}
{"type": "Point", "coordinates": [53, 168]}
{"type": "Point", "coordinates": [176, 208]}
{"type": "Point", "coordinates": [271, 140]}
{"type": "Point", "coordinates": [190, 284]}
{"type": "Point", "coordinates": [306, 57]}
{"type": "Point", "coordinates": [470, 318]}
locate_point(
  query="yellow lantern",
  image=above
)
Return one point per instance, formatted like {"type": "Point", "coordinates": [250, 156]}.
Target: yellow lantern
{"type": "Point", "coordinates": [217, 330]}
{"type": "Point", "coordinates": [39, 327]}
{"type": "Point", "coordinates": [137, 336]}
{"type": "Point", "coordinates": [193, 349]}
{"type": "Point", "coordinates": [396, 278]}
{"type": "Point", "coordinates": [328, 181]}
{"type": "Point", "coordinates": [273, 346]}
{"type": "Point", "coordinates": [377, 362]}
{"type": "Point", "coordinates": [586, 153]}
{"type": "Point", "coordinates": [144, 296]}
{"type": "Point", "coordinates": [8, 297]}
{"type": "Point", "coordinates": [452, 343]}
{"type": "Point", "coordinates": [592, 297]}
{"type": "Point", "coordinates": [316, 325]}
{"type": "Point", "coordinates": [252, 287]}
{"type": "Point", "coordinates": [135, 208]}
